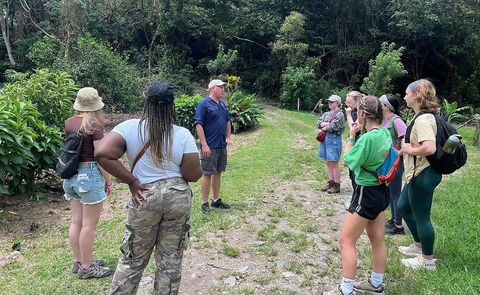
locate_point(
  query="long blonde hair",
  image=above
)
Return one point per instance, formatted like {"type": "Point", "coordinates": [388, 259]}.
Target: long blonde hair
{"type": "Point", "coordinates": [90, 118]}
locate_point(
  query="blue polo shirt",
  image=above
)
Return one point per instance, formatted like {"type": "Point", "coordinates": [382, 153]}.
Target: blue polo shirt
{"type": "Point", "coordinates": [213, 116]}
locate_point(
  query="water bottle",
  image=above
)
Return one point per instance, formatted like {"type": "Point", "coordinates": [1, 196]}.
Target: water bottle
{"type": "Point", "coordinates": [451, 144]}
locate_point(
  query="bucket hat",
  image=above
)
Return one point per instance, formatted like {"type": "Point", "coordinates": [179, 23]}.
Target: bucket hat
{"type": "Point", "coordinates": [88, 100]}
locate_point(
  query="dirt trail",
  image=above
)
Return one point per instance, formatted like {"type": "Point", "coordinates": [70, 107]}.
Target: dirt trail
{"type": "Point", "coordinates": [287, 246]}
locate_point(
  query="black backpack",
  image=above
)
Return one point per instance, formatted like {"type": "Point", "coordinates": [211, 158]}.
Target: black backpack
{"type": "Point", "coordinates": [69, 157]}
{"type": "Point", "coordinates": [441, 161]}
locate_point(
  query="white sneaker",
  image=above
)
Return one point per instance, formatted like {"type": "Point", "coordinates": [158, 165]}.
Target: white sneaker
{"type": "Point", "coordinates": [411, 250]}
{"type": "Point", "coordinates": [419, 262]}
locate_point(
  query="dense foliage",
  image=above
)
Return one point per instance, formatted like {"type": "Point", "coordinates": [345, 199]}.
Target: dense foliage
{"type": "Point", "coordinates": [244, 112]}
{"type": "Point", "coordinates": [185, 108]}
{"type": "Point", "coordinates": [386, 67]}
{"type": "Point", "coordinates": [51, 92]}
{"type": "Point", "coordinates": [183, 41]}
{"type": "Point", "coordinates": [299, 86]}
{"type": "Point", "coordinates": [93, 64]}
{"type": "Point", "coordinates": [28, 147]}
{"type": "Point", "coordinates": [243, 109]}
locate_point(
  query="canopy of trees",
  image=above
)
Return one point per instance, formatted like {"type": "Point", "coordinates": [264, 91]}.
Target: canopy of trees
{"type": "Point", "coordinates": [184, 41]}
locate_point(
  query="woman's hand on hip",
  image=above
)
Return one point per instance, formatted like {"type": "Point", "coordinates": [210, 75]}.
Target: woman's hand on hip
{"type": "Point", "coordinates": [136, 188]}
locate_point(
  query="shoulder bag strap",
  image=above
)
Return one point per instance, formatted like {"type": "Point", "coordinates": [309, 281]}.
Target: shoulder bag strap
{"type": "Point", "coordinates": [139, 155]}
{"type": "Point", "coordinates": [333, 115]}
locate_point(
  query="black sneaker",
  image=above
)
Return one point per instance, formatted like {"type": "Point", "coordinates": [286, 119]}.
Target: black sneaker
{"type": "Point", "coordinates": [394, 230]}
{"type": "Point", "coordinates": [389, 224]}
{"type": "Point", "coordinates": [205, 208]}
{"type": "Point", "coordinates": [219, 204]}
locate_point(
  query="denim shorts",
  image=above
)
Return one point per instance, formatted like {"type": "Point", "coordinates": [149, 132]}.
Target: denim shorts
{"type": "Point", "coordinates": [87, 186]}
{"type": "Point", "coordinates": [331, 148]}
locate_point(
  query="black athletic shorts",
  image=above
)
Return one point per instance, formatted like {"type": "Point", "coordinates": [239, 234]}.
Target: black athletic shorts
{"type": "Point", "coordinates": [369, 201]}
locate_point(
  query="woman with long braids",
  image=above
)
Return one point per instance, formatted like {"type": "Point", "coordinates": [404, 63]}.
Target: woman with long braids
{"type": "Point", "coordinates": [416, 198]}
{"type": "Point", "coordinates": [163, 158]}
{"type": "Point", "coordinates": [369, 199]}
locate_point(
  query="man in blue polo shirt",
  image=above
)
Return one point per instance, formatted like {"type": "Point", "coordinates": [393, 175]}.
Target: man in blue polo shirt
{"type": "Point", "coordinates": [212, 122]}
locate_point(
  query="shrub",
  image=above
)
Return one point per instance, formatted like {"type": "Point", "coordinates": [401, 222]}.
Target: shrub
{"type": "Point", "coordinates": [185, 108]}
{"type": "Point", "coordinates": [386, 67]}
{"type": "Point", "coordinates": [28, 147]}
{"type": "Point", "coordinates": [298, 89]}
{"type": "Point", "coordinates": [93, 64]}
{"type": "Point", "coordinates": [223, 63]}
{"type": "Point", "coordinates": [51, 92]}
{"type": "Point", "coordinates": [454, 112]}
{"type": "Point", "coordinates": [244, 112]}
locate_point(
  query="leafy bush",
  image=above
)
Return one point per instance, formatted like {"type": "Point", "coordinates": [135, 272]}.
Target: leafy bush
{"type": "Point", "coordinates": [453, 111]}
{"type": "Point", "coordinates": [244, 112]}
{"type": "Point", "coordinates": [224, 62]}
{"type": "Point", "coordinates": [52, 93]}
{"type": "Point", "coordinates": [185, 108]}
{"type": "Point", "coordinates": [96, 65]}
{"type": "Point", "coordinates": [386, 67]}
{"type": "Point", "coordinates": [298, 88]}
{"type": "Point", "coordinates": [28, 147]}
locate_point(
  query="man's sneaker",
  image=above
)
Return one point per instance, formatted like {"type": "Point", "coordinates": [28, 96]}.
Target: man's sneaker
{"type": "Point", "coordinates": [411, 250]}
{"type": "Point", "coordinates": [77, 264]}
{"type": "Point", "coordinates": [394, 230]}
{"type": "Point", "coordinates": [368, 288]}
{"type": "Point", "coordinates": [94, 271]}
{"type": "Point", "coordinates": [419, 262]}
{"type": "Point", "coordinates": [205, 208]}
{"type": "Point", "coordinates": [219, 204]}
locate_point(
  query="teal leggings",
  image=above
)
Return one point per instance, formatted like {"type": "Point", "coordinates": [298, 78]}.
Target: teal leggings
{"type": "Point", "coordinates": [415, 204]}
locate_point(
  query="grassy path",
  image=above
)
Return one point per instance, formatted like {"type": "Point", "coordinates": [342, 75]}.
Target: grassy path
{"type": "Point", "coordinates": [280, 237]}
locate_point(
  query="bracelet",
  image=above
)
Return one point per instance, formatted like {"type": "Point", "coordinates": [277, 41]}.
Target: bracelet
{"type": "Point", "coordinates": [108, 184]}
{"type": "Point", "coordinates": [351, 139]}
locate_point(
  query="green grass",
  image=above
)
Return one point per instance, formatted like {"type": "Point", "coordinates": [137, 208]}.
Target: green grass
{"type": "Point", "coordinates": [253, 172]}
{"type": "Point", "coordinates": [231, 251]}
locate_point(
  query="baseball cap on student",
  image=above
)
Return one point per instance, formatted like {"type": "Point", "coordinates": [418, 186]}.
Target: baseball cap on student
{"type": "Point", "coordinates": [214, 83]}
{"type": "Point", "coordinates": [334, 98]}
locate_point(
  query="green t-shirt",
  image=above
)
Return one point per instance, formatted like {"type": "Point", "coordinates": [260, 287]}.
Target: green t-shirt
{"type": "Point", "coordinates": [368, 152]}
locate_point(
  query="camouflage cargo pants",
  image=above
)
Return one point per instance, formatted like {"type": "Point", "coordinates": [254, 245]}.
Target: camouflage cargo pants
{"type": "Point", "coordinates": [160, 223]}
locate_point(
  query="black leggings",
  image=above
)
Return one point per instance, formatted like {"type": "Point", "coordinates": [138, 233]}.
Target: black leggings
{"type": "Point", "coordinates": [415, 204]}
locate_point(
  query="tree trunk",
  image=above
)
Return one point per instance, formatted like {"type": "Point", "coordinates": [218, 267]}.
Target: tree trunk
{"type": "Point", "coordinates": [6, 36]}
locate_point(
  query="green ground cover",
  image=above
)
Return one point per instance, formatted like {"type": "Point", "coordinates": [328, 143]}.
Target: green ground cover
{"type": "Point", "coordinates": [254, 170]}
